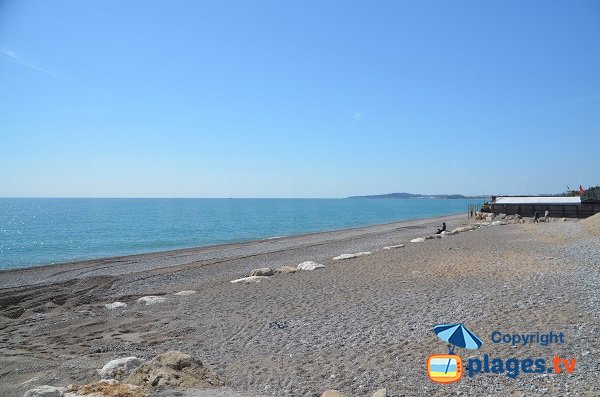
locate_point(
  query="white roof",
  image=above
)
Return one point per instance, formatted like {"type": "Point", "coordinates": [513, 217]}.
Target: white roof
{"type": "Point", "coordinates": [539, 200]}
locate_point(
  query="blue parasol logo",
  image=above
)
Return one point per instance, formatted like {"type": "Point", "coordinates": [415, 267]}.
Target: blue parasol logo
{"type": "Point", "coordinates": [447, 368]}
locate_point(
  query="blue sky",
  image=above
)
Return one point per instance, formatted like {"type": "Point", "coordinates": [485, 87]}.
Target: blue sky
{"type": "Point", "coordinates": [297, 99]}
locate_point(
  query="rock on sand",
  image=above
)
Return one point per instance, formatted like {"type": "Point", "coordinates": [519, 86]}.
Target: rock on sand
{"type": "Point", "coordinates": [417, 240]}
{"type": "Point", "coordinates": [265, 271]}
{"type": "Point", "coordinates": [45, 391]}
{"type": "Point", "coordinates": [391, 247]}
{"type": "Point", "coordinates": [107, 388]}
{"type": "Point", "coordinates": [250, 280]}
{"type": "Point", "coordinates": [115, 305]}
{"type": "Point", "coordinates": [286, 269]}
{"type": "Point", "coordinates": [151, 300]}
{"type": "Point", "coordinates": [310, 265]}
{"type": "Point", "coordinates": [185, 293]}
{"type": "Point", "coordinates": [173, 368]}
{"type": "Point", "coordinates": [349, 256]}
{"type": "Point", "coordinates": [120, 367]}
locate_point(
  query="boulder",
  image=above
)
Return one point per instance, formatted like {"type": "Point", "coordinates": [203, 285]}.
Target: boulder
{"type": "Point", "coordinates": [173, 369]}
{"type": "Point", "coordinates": [380, 393]}
{"type": "Point", "coordinates": [150, 300]}
{"type": "Point", "coordinates": [120, 367]}
{"type": "Point", "coordinates": [250, 280]}
{"type": "Point", "coordinates": [116, 305]}
{"type": "Point", "coordinates": [517, 216]}
{"type": "Point", "coordinates": [497, 223]}
{"type": "Point", "coordinates": [45, 391]}
{"type": "Point", "coordinates": [185, 293]}
{"type": "Point", "coordinates": [265, 271]}
{"type": "Point", "coordinates": [286, 269]}
{"type": "Point", "coordinates": [332, 393]}
{"type": "Point", "coordinates": [310, 265]}
{"type": "Point", "coordinates": [391, 247]}
{"type": "Point", "coordinates": [417, 240]}
{"type": "Point", "coordinates": [350, 256]}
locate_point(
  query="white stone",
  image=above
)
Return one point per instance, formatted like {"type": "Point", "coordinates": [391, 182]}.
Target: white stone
{"type": "Point", "coordinates": [391, 247]}
{"type": "Point", "coordinates": [250, 280]}
{"type": "Point", "coordinates": [115, 305]}
{"type": "Point", "coordinates": [120, 367]}
{"type": "Point", "coordinates": [349, 256]}
{"type": "Point", "coordinates": [310, 265]}
{"type": "Point", "coordinates": [151, 300]}
{"type": "Point", "coordinates": [45, 391]}
{"type": "Point", "coordinates": [417, 240]}
{"type": "Point", "coordinates": [447, 233]}
{"type": "Point", "coordinates": [185, 293]}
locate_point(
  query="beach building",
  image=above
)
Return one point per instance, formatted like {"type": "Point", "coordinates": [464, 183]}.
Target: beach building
{"type": "Point", "coordinates": [559, 207]}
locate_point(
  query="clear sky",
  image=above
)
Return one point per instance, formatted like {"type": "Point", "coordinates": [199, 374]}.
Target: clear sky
{"type": "Point", "coordinates": [297, 99]}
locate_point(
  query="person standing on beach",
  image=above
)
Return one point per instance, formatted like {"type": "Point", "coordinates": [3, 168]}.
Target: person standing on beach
{"type": "Point", "coordinates": [536, 217]}
{"type": "Point", "coordinates": [547, 216]}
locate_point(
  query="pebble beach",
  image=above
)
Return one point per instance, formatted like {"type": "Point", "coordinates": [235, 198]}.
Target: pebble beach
{"type": "Point", "coordinates": [359, 322]}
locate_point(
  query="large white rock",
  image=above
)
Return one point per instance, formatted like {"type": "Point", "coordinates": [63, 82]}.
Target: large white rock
{"type": "Point", "coordinates": [151, 300]}
{"type": "Point", "coordinates": [349, 256]}
{"type": "Point", "coordinates": [417, 240]}
{"type": "Point", "coordinates": [185, 293]}
{"type": "Point", "coordinates": [120, 367]}
{"type": "Point", "coordinates": [310, 265]}
{"type": "Point", "coordinates": [115, 305]}
{"type": "Point", "coordinates": [497, 223]}
{"type": "Point", "coordinates": [391, 247]}
{"type": "Point", "coordinates": [45, 391]}
{"type": "Point", "coordinates": [250, 280]}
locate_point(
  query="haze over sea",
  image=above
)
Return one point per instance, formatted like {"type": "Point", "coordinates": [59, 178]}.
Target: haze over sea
{"type": "Point", "coordinates": [37, 231]}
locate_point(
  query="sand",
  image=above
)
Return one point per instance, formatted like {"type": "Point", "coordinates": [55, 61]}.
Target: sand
{"type": "Point", "coordinates": [356, 325]}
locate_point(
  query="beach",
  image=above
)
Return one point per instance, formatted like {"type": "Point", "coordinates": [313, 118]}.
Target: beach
{"type": "Point", "coordinates": [356, 325]}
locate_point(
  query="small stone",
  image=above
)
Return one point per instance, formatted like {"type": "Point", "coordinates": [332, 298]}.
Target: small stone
{"type": "Point", "coordinates": [350, 256]}
{"type": "Point", "coordinates": [417, 240]}
{"type": "Point", "coordinates": [150, 300]}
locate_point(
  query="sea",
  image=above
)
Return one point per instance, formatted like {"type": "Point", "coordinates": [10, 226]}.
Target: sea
{"type": "Point", "coordinates": [40, 231]}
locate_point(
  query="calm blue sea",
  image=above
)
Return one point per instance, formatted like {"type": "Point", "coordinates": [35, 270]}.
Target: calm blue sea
{"type": "Point", "coordinates": [43, 231]}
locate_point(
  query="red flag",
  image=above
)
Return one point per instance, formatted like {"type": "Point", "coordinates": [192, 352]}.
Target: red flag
{"type": "Point", "coordinates": [581, 191]}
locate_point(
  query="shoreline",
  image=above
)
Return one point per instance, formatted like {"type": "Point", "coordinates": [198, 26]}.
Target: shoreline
{"type": "Point", "coordinates": [355, 325]}
{"type": "Point", "coordinates": [125, 264]}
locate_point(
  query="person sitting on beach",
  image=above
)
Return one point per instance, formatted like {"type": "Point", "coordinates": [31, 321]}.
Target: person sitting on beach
{"type": "Point", "coordinates": [536, 216]}
{"type": "Point", "coordinates": [443, 229]}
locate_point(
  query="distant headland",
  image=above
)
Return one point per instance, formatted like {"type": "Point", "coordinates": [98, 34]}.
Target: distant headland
{"type": "Point", "coordinates": [419, 196]}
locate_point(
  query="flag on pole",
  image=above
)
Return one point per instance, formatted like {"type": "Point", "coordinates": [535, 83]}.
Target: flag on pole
{"type": "Point", "coordinates": [581, 191]}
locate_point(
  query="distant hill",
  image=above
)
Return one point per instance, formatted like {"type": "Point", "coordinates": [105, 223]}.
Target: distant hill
{"type": "Point", "coordinates": [419, 196]}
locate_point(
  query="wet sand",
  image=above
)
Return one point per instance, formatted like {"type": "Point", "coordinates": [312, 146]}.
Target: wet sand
{"type": "Point", "coordinates": [356, 326]}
